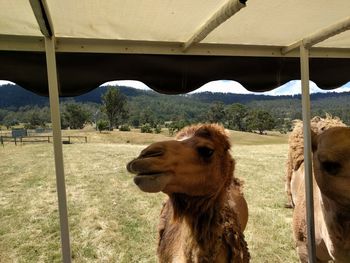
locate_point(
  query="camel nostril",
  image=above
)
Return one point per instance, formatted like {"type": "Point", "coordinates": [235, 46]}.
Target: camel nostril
{"type": "Point", "coordinates": [129, 167]}
{"type": "Point", "coordinates": [152, 153]}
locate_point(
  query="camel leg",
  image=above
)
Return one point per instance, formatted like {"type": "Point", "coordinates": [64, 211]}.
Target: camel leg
{"type": "Point", "coordinates": [303, 255]}
{"type": "Point", "coordinates": [289, 203]}
{"type": "Point", "coordinates": [287, 184]}
{"type": "Point", "coordinates": [302, 252]}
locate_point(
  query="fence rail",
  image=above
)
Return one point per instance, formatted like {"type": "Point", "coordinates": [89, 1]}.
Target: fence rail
{"type": "Point", "coordinates": [39, 138]}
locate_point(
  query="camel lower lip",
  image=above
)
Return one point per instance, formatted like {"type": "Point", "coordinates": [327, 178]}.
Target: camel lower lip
{"type": "Point", "coordinates": [149, 175]}
{"type": "Point", "coordinates": [151, 183]}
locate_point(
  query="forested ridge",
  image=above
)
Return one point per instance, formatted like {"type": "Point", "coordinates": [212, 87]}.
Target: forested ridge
{"type": "Point", "coordinates": [154, 108]}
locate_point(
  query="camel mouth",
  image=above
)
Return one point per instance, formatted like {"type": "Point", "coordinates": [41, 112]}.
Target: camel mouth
{"type": "Point", "coordinates": [146, 176]}
{"type": "Point", "coordinates": [151, 182]}
{"type": "Point", "coordinates": [141, 168]}
{"type": "Point", "coordinates": [149, 174]}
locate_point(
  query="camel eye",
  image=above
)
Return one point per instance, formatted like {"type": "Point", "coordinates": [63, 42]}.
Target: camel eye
{"type": "Point", "coordinates": [331, 167]}
{"type": "Point", "coordinates": [205, 152]}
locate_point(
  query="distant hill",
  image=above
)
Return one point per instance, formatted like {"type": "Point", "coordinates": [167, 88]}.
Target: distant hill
{"type": "Point", "coordinates": [191, 107]}
{"type": "Point", "coordinates": [95, 95]}
{"type": "Point", "coordinates": [13, 96]}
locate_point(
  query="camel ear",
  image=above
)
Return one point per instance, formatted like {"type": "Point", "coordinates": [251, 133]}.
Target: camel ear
{"type": "Point", "coordinates": [314, 141]}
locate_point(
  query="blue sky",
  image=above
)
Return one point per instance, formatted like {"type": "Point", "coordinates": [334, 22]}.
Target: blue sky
{"type": "Point", "coordinates": [228, 86]}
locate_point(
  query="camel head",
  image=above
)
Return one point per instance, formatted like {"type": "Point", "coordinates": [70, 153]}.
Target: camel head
{"type": "Point", "coordinates": [196, 163]}
{"type": "Point", "coordinates": [331, 158]}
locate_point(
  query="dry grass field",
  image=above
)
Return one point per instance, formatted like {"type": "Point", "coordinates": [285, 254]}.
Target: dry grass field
{"type": "Point", "coordinates": [110, 219]}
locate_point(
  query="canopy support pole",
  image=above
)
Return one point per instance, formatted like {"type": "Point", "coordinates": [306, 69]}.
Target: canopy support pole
{"type": "Point", "coordinates": [304, 66]}
{"type": "Point", "coordinates": [224, 13]}
{"type": "Point", "coordinates": [57, 144]}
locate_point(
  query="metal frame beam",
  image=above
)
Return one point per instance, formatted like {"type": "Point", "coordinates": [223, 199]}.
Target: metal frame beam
{"type": "Point", "coordinates": [22, 43]}
{"type": "Point", "coordinates": [57, 143]}
{"type": "Point", "coordinates": [326, 33]}
{"type": "Point", "coordinates": [42, 16]}
{"type": "Point", "coordinates": [81, 45]}
{"type": "Point", "coordinates": [304, 68]}
{"type": "Point", "coordinates": [220, 16]}
{"type": "Point", "coordinates": [320, 36]}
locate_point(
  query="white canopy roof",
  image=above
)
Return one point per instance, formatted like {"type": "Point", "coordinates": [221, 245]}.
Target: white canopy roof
{"type": "Point", "coordinates": [267, 31]}
{"type": "Point", "coordinates": [261, 23]}
{"type": "Point", "coordinates": [266, 23]}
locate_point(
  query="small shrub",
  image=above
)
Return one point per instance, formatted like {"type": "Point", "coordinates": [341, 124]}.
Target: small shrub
{"type": "Point", "coordinates": [157, 129]}
{"type": "Point", "coordinates": [176, 126]}
{"type": "Point", "coordinates": [124, 127]}
{"type": "Point", "coordinates": [29, 126]}
{"type": "Point", "coordinates": [102, 125]}
{"type": "Point", "coordinates": [146, 128]}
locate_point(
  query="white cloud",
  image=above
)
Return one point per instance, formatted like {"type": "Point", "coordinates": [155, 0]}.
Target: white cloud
{"type": "Point", "coordinates": [129, 83]}
{"type": "Point", "coordinates": [290, 88]}
{"type": "Point", "coordinates": [294, 87]}
{"type": "Point", "coordinates": [5, 82]}
{"type": "Point", "coordinates": [344, 88]}
{"type": "Point", "coordinates": [224, 86]}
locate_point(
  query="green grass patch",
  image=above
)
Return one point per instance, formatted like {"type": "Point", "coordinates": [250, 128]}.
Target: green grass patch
{"type": "Point", "coordinates": [110, 219]}
{"type": "Point", "coordinates": [248, 138]}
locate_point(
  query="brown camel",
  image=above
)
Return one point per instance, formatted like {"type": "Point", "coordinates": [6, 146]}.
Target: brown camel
{"type": "Point", "coordinates": [331, 163]}
{"type": "Point", "coordinates": [205, 214]}
{"type": "Point", "coordinates": [296, 151]}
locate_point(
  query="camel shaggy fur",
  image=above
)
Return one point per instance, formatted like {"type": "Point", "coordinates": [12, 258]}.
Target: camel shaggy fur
{"type": "Point", "coordinates": [331, 189]}
{"type": "Point", "coordinates": [294, 169]}
{"type": "Point", "coordinates": [205, 214]}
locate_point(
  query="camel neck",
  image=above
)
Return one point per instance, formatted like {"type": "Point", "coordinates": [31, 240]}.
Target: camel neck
{"type": "Point", "coordinates": [185, 205]}
{"type": "Point", "coordinates": [337, 219]}
{"type": "Point", "coordinates": [207, 226]}
{"type": "Point", "coordinates": [201, 213]}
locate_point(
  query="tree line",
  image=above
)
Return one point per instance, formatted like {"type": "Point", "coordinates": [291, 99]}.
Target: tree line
{"type": "Point", "coordinates": [151, 111]}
